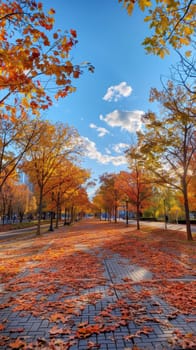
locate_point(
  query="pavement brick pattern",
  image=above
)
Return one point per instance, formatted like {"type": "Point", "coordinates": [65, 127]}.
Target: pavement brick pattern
{"type": "Point", "coordinates": [142, 326]}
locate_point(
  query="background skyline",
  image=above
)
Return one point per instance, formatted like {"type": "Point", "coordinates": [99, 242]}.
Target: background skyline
{"type": "Point", "coordinates": [107, 106]}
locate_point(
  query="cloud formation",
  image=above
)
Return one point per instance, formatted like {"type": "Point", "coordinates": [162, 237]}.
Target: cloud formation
{"type": "Point", "coordinates": [92, 153]}
{"type": "Point", "coordinates": [126, 120]}
{"type": "Point", "coordinates": [101, 131]}
{"type": "Point", "coordinates": [119, 147]}
{"type": "Point", "coordinates": [114, 93]}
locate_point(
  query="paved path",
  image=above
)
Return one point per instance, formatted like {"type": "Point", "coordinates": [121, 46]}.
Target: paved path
{"type": "Point", "coordinates": [175, 227]}
{"type": "Point", "coordinates": [28, 231]}
{"type": "Point", "coordinates": [44, 228]}
{"type": "Point", "coordinates": [125, 315]}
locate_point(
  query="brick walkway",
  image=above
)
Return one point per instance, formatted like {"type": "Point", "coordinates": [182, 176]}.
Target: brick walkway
{"type": "Point", "coordinates": [126, 314]}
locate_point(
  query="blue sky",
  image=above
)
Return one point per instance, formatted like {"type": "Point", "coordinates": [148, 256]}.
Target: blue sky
{"type": "Point", "coordinates": [108, 104]}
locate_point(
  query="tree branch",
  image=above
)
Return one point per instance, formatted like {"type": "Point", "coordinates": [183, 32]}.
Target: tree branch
{"type": "Point", "coordinates": [180, 20]}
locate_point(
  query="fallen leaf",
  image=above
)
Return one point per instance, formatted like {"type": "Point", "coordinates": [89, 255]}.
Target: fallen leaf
{"type": "Point", "coordinates": [17, 344]}
{"type": "Point", "coordinates": [92, 345]}
{"type": "Point", "coordinates": [2, 326]}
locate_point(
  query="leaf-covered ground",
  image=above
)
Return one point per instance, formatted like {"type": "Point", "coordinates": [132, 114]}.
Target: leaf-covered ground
{"type": "Point", "coordinates": [98, 285]}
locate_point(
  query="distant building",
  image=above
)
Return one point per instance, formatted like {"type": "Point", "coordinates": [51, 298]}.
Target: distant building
{"type": "Point", "coordinates": [23, 179]}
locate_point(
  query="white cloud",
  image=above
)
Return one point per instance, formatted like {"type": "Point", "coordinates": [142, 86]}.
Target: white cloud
{"type": "Point", "coordinates": [126, 120]}
{"type": "Point", "coordinates": [93, 126]}
{"type": "Point", "coordinates": [107, 150]}
{"type": "Point", "coordinates": [114, 93]}
{"type": "Point", "coordinates": [119, 147]}
{"type": "Point", "coordinates": [92, 153]}
{"type": "Point", "coordinates": [101, 131]}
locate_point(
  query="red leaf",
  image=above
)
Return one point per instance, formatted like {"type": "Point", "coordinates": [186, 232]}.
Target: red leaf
{"type": "Point", "coordinates": [1, 326]}
{"type": "Point", "coordinates": [17, 344]}
{"type": "Point", "coordinates": [73, 33]}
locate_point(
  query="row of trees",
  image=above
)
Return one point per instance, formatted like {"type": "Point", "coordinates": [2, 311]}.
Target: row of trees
{"type": "Point", "coordinates": [162, 177]}
{"type": "Point", "coordinates": [50, 164]}
{"type": "Point", "coordinates": [163, 162]}
{"type": "Point", "coordinates": [35, 69]}
{"type": "Point", "coordinates": [134, 191]}
{"type": "Point", "coordinates": [16, 201]}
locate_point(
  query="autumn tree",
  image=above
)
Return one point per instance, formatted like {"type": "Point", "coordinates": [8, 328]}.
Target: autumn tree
{"type": "Point", "coordinates": [169, 142]}
{"type": "Point", "coordinates": [22, 200]}
{"type": "Point", "coordinates": [171, 23]}
{"type": "Point", "coordinates": [57, 144]}
{"type": "Point", "coordinates": [184, 74]}
{"type": "Point", "coordinates": [16, 138]}
{"type": "Point", "coordinates": [16, 200]}
{"type": "Point", "coordinates": [110, 193]}
{"type": "Point", "coordinates": [78, 203]}
{"type": "Point", "coordinates": [162, 202]}
{"type": "Point", "coordinates": [74, 195]}
{"type": "Point", "coordinates": [35, 63]}
{"type": "Point", "coordinates": [6, 200]}
{"type": "Point", "coordinates": [35, 67]}
{"type": "Point", "coordinates": [135, 185]}
{"type": "Point", "coordinates": [176, 208]}
{"type": "Point", "coordinates": [192, 185]}
{"type": "Point", "coordinates": [98, 204]}
{"type": "Point", "coordinates": [67, 179]}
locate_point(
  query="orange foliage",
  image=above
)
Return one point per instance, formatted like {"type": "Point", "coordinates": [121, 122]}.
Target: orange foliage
{"type": "Point", "coordinates": [28, 54]}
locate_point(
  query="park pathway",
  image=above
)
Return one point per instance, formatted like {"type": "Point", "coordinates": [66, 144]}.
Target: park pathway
{"type": "Point", "coordinates": [117, 309]}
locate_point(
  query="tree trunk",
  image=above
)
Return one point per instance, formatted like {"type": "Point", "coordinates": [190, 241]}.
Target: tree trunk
{"type": "Point", "coordinates": [58, 210]}
{"type": "Point", "coordinates": [187, 216]}
{"type": "Point", "coordinates": [40, 211]}
{"type": "Point", "coordinates": [69, 215]}
{"type": "Point", "coordinates": [127, 214]}
{"type": "Point", "coordinates": [72, 214]}
{"type": "Point", "coordinates": [165, 215]}
{"type": "Point", "coordinates": [3, 212]}
{"type": "Point", "coordinates": [21, 215]}
{"type": "Point", "coordinates": [57, 214]}
{"type": "Point", "coordinates": [115, 214]}
{"type": "Point", "coordinates": [65, 214]}
{"type": "Point", "coordinates": [57, 217]}
{"type": "Point", "coordinates": [138, 217]}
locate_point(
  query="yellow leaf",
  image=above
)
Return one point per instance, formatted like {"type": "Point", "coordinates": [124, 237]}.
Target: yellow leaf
{"type": "Point", "coordinates": [162, 52]}
{"type": "Point", "coordinates": [147, 18]}
{"type": "Point", "coordinates": [162, 42]}
{"type": "Point", "coordinates": [51, 12]}
{"type": "Point", "coordinates": [188, 30]}
{"type": "Point", "coordinates": [184, 41]}
{"type": "Point", "coordinates": [188, 53]}
{"type": "Point", "coordinates": [144, 3]}
{"type": "Point", "coordinates": [130, 8]}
